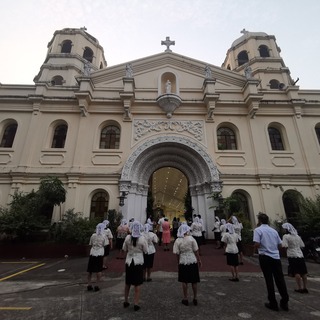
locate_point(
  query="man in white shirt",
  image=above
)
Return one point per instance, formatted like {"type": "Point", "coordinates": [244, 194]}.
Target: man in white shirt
{"type": "Point", "coordinates": [267, 241]}
{"type": "Point", "coordinates": [160, 221]}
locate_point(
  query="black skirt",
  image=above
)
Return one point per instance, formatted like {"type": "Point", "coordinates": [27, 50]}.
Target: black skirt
{"type": "Point", "coordinates": [217, 236]}
{"type": "Point", "coordinates": [232, 259]}
{"type": "Point", "coordinates": [119, 243]}
{"type": "Point", "coordinates": [95, 264]}
{"type": "Point", "coordinates": [148, 261]}
{"type": "Point", "coordinates": [188, 273]}
{"type": "Point", "coordinates": [297, 266]}
{"type": "Point", "coordinates": [134, 274]}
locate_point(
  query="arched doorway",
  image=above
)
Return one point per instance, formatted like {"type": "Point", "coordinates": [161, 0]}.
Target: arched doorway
{"type": "Point", "coordinates": [170, 151]}
{"type": "Point", "coordinates": [168, 186]}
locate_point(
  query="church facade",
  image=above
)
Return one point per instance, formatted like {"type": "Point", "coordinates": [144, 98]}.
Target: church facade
{"type": "Point", "coordinates": [244, 128]}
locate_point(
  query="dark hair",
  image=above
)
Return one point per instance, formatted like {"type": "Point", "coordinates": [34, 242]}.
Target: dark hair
{"type": "Point", "coordinates": [263, 218]}
{"type": "Point", "coordinates": [134, 241]}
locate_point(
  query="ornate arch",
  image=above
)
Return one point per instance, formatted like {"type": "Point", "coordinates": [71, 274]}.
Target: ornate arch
{"type": "Point", "coordinates": [179, 152]}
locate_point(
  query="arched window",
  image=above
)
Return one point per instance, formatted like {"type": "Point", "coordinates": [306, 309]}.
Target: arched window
{"type": "Point", "coordinates": [99, 205]}
{"type": "Point", "coordinates": [228, 67]}
{"type": "Point", "coordinates": [290, 200]}
{"type": "Point", "coordinates": [110, 137]}
{"type": "Point", "coordinates": [240, 205]}
{"type": "Point", "coordinates": [57, 81]}
{"type": "Point", "coordinates": [59, 136]}
{"type": "Point", "coordinates": [226, 139]}
{"type": "Point", "coordinates": [66, 46]}
{"type": "Point", "coordinates": [275, 139]}
{"type": "Point", "coordinates": [317, 128]}
{"type": "Point", "coordinates": [242, 58]}
{"type": "Point", "coordinates": [8, 135]}
{"type": "Point", "coordinates": [264, 51]}
{"type": "Point", "coordinates": [274, 84]}
{"type": "Point", "coordinates": [88, 54]}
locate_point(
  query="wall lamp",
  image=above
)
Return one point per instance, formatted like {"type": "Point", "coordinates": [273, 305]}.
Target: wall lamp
{"type": "Point", "coordinates": [123, 196]}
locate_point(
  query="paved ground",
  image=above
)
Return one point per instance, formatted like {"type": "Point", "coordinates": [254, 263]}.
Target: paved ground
{"type": "Point", "coordinates": [56, 289]}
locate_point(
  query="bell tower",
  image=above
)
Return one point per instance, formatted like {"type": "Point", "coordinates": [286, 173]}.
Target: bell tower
{"type": "Point", "coordinates": [257, 55]}
{"type": "Point", "coordinates": [71, 53]}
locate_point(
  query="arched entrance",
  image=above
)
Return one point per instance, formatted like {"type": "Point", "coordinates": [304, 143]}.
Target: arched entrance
{"type": "Point", "coordinates": [170, 151]}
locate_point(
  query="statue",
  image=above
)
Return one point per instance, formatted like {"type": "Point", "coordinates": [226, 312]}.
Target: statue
{"type": "Point", "coordinates": [208, 72]}
{"type": "Point", "coordinates": [129, 71]}
{"type": "Point", "coordinates": [86, 69]}
{"type": "Point", "coordinates": [248, 72]}
{"type": "Point", "coordinates": [168, 86]}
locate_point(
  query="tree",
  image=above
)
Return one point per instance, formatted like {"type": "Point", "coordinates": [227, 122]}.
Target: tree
{"type": "Point", "coordinates": [29, 212]}
{"type": "Point", "coordinates": [307, 220]}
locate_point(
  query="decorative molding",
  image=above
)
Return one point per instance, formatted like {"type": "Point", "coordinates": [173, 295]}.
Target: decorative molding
{"type": "Point", "coordinates": [5, 158]}
{"type": "Point", "coordinates": [231, 160]}
{"type": "Point", "coordinates": [52, 159]}
{"type": "Point", "coordinates": [279, 161]}
{"type": "Point", "coordinates": [169, 102]}
{"type": "Point", "coordinates": [145, 127]}
{"type": "Point", "coordinates": [211, 170]}
{"type": "Point", "coordinates": [105, 159]}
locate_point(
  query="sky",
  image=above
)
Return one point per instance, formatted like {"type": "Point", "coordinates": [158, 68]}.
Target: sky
{"type": "Point", "coordinates": [132, 29]}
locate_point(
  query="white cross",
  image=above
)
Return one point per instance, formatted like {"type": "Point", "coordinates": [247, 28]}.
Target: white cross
{"type": "Point", "coordinates": [168, 43]}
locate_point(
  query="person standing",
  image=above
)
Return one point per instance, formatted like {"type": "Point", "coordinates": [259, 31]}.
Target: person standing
{"type": "Point", "coordinates": [148, 257]}
{"type": "Point", "coordinates": [175, 227]}
{"type": "Point", "coordinates": [237, 229]}
{"type": "Point", "coordinates": [186, 249]}
{"type": "Point", "coordinates": [231, 238]}
{"type": "Point", "coordinates": [217, 232]}
{"type": "Point", "coordinates": [135, 245]}
{"type": "Point", "coordinates": [293, 243]}
{"type": "Point", "coordinates": [150, 222]}
{"type": "Point", "coordinates": [166, 235]}
{"type": "Point", "coordinates": [122, 232]}
{"type": "Point", "coordinates": [108, 234]}
{"type": "Point", "coordinates": [203, 232]}
{"type": "Point", "coordinates": [267, 242]}
{"type": "Point", "coordinates": [97, 242]}
{"type": "Point", "coordinates": [223, 229]}
{"type": "Point", "coordinates": [160, 222]}
{"type": "Point", "coordinates": [196, 231]}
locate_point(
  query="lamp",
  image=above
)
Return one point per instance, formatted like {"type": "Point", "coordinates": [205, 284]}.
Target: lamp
{"type": "Point", "coordinates": [123, 196]}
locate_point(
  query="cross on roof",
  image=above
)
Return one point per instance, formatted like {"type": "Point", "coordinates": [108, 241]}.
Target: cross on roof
{"type": "Point", "coordinates": [168, 43]}
{"type": "Point", "coordinates": [244, 31]}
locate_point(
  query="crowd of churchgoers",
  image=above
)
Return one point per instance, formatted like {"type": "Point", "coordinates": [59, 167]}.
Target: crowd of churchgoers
{"type": "Point", "coordinates": [136, 243]}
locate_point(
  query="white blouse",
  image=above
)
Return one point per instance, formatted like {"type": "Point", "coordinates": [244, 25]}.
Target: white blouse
{"type": "Point", "coordinates": [151, 238]}
{"type": "Point", "coordinates": [196, 229]}
{"type": "Point", "coordinates": [186, 247]}
{"type": "Point", "coordinates": [135, 254]}
{"type": "Point", "coordinates": [237, 229]}
{"type": "Point", "coordinates": [293, 243]}
{"type": "Point", "coordinates": [231, 241]}
{"type": "Point", "coordinates": [97, 243]}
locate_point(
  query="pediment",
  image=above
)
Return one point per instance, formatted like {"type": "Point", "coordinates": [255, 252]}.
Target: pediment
{"type": "Point", "coordinates": [146, 71]}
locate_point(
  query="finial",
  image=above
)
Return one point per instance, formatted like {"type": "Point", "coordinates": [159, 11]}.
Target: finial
{"type": "Point", "coordinates": [168, 43]}
{"type": "Point", "coordinates": [244, 31]}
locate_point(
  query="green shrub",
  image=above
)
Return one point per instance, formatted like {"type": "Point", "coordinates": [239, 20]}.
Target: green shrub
{"type": "Point", "coordinates": [73, 228]}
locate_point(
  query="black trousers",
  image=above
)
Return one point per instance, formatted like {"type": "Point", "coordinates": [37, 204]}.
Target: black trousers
{"type": "Point", "coordinates": [272, 272]}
